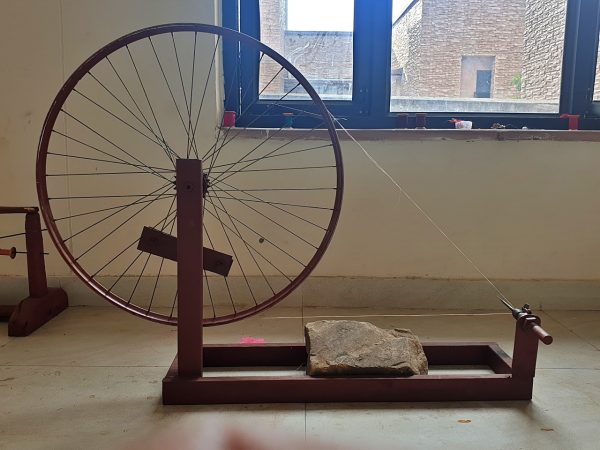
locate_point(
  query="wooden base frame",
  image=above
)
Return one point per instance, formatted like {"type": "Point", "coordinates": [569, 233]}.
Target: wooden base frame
{"type": "Point", "coordinates": [43, 303]}
{"type": "Point", "coordinates": [184, 384]}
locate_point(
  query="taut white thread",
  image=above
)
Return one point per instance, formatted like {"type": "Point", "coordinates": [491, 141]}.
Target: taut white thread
{"type": "Point", "coordinates": [501, 296]}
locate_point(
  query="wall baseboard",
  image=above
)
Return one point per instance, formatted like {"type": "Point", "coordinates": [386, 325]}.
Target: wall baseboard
{"type": "Point", "coordinates": [380, 293]}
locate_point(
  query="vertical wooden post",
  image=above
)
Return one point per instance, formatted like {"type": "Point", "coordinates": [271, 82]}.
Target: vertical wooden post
{"type": "Point", "coordinates": [525, 348]}
{"type": "Point", "coordinates": [524, 357]}
{"type": "Point", "coordinates": [190, 284]}
{"type": "Point", "coordinates": [34, 244]}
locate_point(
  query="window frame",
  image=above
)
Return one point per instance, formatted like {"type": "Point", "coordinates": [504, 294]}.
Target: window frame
{"type": "Point", "coordinates": [371, 88]}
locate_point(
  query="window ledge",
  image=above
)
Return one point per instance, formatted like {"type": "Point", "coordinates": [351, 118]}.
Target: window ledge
{"type": "Point", "coordinates": [425, 135]}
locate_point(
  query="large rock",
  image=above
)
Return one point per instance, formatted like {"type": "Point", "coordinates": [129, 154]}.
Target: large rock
{"type": "Point", "coordinates": [348, 347]}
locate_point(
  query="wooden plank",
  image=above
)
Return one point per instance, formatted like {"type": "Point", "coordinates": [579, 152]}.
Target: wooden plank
{"type": "Point", "coordinates": [164, 245]}
{"type": "Point", "coordinates": [498, 360]}
{"type": "Point", "coordinates": [33, 312]}
{"type": "Point", "coordinates": [438, 353]}
{"type": "Point", "coordinates": [18, 209]}
{"type": "Point", "coordinates": [302, 388]}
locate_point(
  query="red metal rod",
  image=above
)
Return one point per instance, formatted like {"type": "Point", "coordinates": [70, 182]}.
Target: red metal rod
{"type": "Point", "coordinates": [12, 252]}
{"type": "Point", "coordinates": [18, 209]}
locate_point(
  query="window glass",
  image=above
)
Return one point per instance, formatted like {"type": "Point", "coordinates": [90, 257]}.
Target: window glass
{"type": "Point", "coordinates": [316, 37]}
{"type": "Point", "coordinates": [500, 56]}
{"type": "Point", "coordinates": [597, 81]}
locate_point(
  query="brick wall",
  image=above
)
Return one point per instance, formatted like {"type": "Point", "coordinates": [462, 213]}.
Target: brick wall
{"type": "Point", "coordinates": [320, 55]}
{"type": "Point", "coordinates": [451, 29]}
{"type": "Point", "coordinates": [406, 52]}
{"type": "Point", "coordinates": [272, 33]}
{"type": "Point", "coordinates": [429, 43]}
{"type": "Point", "coordinates": [597, 83]}
{"type": "Point", "coordinates": [542, 53]}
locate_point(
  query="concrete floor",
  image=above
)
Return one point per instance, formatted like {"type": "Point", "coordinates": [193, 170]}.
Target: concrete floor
{"type": "Point", "coordinates": [91, 379]}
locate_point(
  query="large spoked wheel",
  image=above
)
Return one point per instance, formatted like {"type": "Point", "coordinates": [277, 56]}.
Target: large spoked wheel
{"type": "Point", "coordinates": [106, 169]}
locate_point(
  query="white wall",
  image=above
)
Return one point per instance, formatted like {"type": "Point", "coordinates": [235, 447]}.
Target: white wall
{"type": "Point", "coordinates": [43, 41]}
{"type": "Point", "coordinates": [523, 210]}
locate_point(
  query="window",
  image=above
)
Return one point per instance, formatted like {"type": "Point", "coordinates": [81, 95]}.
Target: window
{"type": "Point", "coordinates": [508, 40]}
{"type": "Point", "coordinates": [516, 62]}
{"type": "Point", "coordinates": [597, 78]}
{"type": "Point", "coordinates": [483, 84]}
{"type": "Point", "coordinates": [319, 45]}
{"type": "Point", "coordinates": [476, 76]}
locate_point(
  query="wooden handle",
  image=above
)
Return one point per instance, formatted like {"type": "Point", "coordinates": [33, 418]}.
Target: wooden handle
{"type": "Point", "coordinates": [541, 334]}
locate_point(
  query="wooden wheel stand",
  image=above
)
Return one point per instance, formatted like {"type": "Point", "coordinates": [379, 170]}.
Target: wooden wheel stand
{"type": "Point", "coordinates": [185, 384]}
{"type": "Point", "coordinates": [43, 303]}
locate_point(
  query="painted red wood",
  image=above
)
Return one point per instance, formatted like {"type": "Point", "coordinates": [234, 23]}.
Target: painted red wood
{"type": "Point", "coordinates": [190, 196]}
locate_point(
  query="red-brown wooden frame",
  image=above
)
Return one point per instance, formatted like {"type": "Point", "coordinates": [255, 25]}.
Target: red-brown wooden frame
{"type": "Point", "coordinates": [43, 303]}
{"type": "Point", "coordinates": [185, 384]}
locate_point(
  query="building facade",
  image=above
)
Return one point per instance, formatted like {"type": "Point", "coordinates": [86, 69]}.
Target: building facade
{"type": "Point", "coordinates": [478, 49]}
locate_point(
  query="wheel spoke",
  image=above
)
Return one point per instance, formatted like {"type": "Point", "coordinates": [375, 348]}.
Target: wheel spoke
{"type": "Point", "coordinates": [277, 155]}
{"type": "Point", "coordinates": [190, 139]}
{"type": "Point", "coordinates": [170, 154]}
{"type": "Point", "coordinates": [187, 105]}
{"type": "Point", "coordinates": [134, 115]}
{"type": "Point", "coordinates": [275, 222]}
{"type": "Point", "coordinates": [96, 211]}
{"type": "Point", "coordinates": [113, 259]}
{"type": "Point", "coordinates": [260, 200]}
{"type": "Point", "coordinates": [106, 236]}
{"type": "Point", "coordinates": [267, 109]}
{"type": "Point", "coordinates": [187, 132]}
{"type": "Point", "coordinates": [260, 235]}
{"type": "Point", "coordinates": [153, 170]}
{"type": "Point", "coordinates": [275, 203]}
{"type": "Point", "coordinates": [123, 121]}
{"type": "Point", "coordinates": [231, 220]}
{"type": "Point", "coordinates": [232, 248]}
{"type": "Point", "coordinates": [229, 174]}
{"type": "Point", "coordinates": [110, 142]}
{"type": "Point", "coordinates": [212, 63]}
{"type": "Point", "coordinates": [251, 247]}
{"type": "Point", "coordinates": [224, 278]}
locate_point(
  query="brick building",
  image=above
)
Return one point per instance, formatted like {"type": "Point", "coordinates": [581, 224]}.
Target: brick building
{"type": "Point", "coordinates": [324, 58]}
{"type": "Point", "coordinates": [451, 48]}
{"type": "Point", "coordinates": [478, 49]}
{"type": "Point", "coordinates": [542, 52]}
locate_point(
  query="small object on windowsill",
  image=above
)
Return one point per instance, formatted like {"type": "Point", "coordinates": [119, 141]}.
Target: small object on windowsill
{"type": "Point", "coordinates": [573, 121]}
{"type": "Point", "coordinates": [460, 124]}
{"type": "Point", "coordinates": [421, 121]}
{"type": "Point", "coordinates": [229, 119]}
{"type": "Point", "coordinates": [501, 126]}
{"type": "Point", "coordinates": [288, 120]}
{"type": "Point", "coordinates": [402, 121]}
